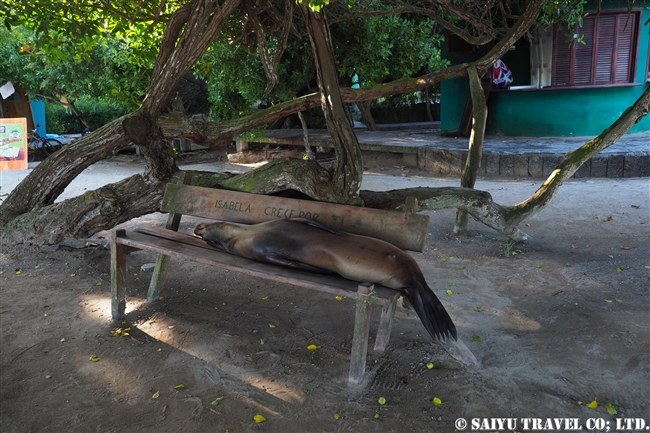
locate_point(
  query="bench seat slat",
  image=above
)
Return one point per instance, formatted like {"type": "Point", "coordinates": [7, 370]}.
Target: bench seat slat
{"type": "Point", "coordinates": [185, 246]}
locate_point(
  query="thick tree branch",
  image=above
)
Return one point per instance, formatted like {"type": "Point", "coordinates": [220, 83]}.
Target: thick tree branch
{"type": "Point", "coordinates": [348, 170]}
{"type": "Point", "coordinates": [50, 178]}
{"type": "Point", "coordinates": [203, 24]}
{"type": "Point", "coordinates": [479, 114]}
{"type": "Point", "coordinates": [173, 29]}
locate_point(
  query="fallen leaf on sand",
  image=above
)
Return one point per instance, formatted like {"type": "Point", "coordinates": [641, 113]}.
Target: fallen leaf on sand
{"type": "Point", "coordinates": [612, 408]}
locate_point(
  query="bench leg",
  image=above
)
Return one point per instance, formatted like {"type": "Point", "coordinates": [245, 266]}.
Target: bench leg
{"type": "Point", "coordinates": [385, 325]}
{"type": "Point", "coordinates": [158, 278]}
{"type": "Point", "coordinates": [361, 331]}
{"type": "Point", "coordinates": [118, 277]}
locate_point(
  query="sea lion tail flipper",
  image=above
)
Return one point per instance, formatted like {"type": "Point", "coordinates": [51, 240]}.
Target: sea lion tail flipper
{"type": "Point", "coordinates": [437, 322]}
{"type": "Point", "coordinates": [457, 350]}
{"type": "Point", "coordinates": [319, 225]}
{"type": "Point", "coordinates": [432, 313]}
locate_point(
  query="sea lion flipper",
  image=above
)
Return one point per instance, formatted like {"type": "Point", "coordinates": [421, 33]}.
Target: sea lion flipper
{"type": "Point", "coordinates": [431, 312]}
{"type": "Point", "coordinates": [457, 350]}
{"type": "Point", "coordinates": [214, 244]}
{"type": "Point", "coordinates": [281, 261]}
{"type": "Point", "coordinates": [319, 225]}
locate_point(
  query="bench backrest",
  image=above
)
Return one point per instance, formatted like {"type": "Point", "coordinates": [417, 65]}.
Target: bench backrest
{"type": "Point", "coordinates": [405, 230]}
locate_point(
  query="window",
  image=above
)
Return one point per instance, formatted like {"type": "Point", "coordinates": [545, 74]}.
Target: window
{"type": "Point", "coordinates": [608, 55]}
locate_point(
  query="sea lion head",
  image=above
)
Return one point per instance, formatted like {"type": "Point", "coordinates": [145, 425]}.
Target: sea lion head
{"type": "Point", "coordinates": [219, 234]}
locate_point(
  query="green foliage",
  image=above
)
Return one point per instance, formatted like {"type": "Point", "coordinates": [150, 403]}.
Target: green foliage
{"type": "Point", "coordinates": [380, 49]}
{"type": "Point", "coordinates": [235, 80]}
{"type": "Point", "coordinates": [367, 52]}
{"type": "Point", "coordinates": [97, 112]}
{"type": "Point", "coordinates": [81, 48]}
{"type": "Point", "coordinates": [569, 12]}
{"type": "Point", "coordinates": [565, 12]}
{"type": "Point", "coordinates": [104, 70]}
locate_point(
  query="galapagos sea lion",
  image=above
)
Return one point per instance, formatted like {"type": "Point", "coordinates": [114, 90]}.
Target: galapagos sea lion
{"type": "Point", "coordinates": [310, 245]}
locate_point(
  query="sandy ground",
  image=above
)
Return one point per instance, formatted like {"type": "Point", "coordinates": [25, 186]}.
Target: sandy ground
{"type": "Point", "coordinates": [558, 324]}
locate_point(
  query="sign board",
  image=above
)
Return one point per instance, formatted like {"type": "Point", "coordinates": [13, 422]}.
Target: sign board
{"type": "Point", "coordinates": [13, 144]}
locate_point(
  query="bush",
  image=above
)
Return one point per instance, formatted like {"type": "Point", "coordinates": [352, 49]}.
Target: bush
{"type": "Point", "coordinates": [97, 112]}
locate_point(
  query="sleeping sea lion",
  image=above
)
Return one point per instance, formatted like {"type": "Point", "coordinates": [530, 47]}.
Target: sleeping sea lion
{"type": "Point", "coordinates": [310, 245]}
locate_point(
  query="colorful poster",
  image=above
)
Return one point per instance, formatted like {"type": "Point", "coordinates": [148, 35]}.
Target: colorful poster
{"type": "Point", "coordinates": [13, 144]}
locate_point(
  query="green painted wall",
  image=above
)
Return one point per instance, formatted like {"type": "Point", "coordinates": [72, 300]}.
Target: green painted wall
{"type": "Point", "coordinates": [568, 112]}
{"type": "Point", "coordinates": [547, 112]}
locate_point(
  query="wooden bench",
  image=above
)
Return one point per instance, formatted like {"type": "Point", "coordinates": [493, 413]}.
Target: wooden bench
{"type": "Point", "coordinates": [407, 230]}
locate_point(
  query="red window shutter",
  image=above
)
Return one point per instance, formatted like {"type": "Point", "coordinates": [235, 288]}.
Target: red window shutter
{"type": "Point", "coordinates": [625, 49]}
{"type": "Point", "coordinates": [605, 49]}
{"type": "Point", "coordinates": [562, 59]}
{"type": "Point", "coordinates": [607, 56]}
{"type": "Point", "coordinates": [584, 53]}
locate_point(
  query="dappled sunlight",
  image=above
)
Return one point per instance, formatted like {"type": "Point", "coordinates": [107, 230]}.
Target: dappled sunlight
{"type": "Point", "coordinates": [283, 392]}
{"type": "Point", "coordinates": [172, 333]}
{"type": "Point", "coordinates": [514, 319]}
{"type": "Point", "coordinates": [100, 306]}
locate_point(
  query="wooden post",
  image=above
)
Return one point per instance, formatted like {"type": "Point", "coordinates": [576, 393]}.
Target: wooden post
{"type": "Point", "coordinates": [361, 331]}
{"type": "Point", "coordinates": [411, 205]}
{"type": "Point", "coordinates": [241, 145]}
{"type": "Point", "coordinates": [385, 325]}
{"type": "Point", "coordinates": [162, 261]}
{"type": "Point", "coordinates": [118, 276]}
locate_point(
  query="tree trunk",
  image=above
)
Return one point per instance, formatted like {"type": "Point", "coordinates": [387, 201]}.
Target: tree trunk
{"type": "Point", "coordinates": [479, 113]}
{"type": "Point", "coordinates": [194, 25]}
{"type": "Point", "coordinates": [50, 178]}
{"type": "Point", "coordinates": [307, 177]}
{"type": "Point", "coordinates": [366, 115]}
{"type": "Point", "coordinates": [305, 137]}
{"type": "Point", "coordinates": [93, 211]}
{"type": "Point", "coordinates": [348, 169]}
